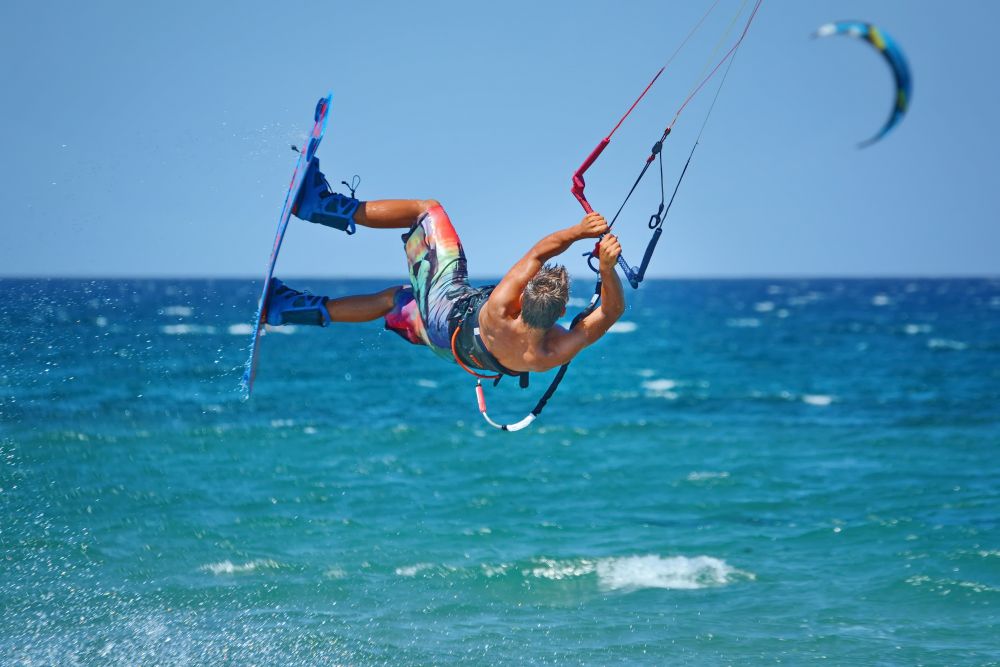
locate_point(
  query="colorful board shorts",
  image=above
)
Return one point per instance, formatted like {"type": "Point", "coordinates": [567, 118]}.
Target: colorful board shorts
{"type": "Point", "coordinates": [438, 277]}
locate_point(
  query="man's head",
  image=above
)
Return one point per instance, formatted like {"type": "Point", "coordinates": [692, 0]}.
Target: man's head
{"type": "Point", "coordinates": [544, 299]}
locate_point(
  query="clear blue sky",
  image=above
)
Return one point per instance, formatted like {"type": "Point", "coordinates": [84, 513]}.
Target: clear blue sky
{"type": "Point", "coordinates": [151, 138]}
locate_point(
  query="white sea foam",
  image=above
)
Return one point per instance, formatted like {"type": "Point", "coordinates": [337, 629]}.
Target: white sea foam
{"type": "Point", "coordinates": [101, 321]}
{"type": "Point", "coordinates": [228, 567]}
{"type": "Point", "coordinates": [414, 570]}
{"type": "Point", "coordinates": [284, 329]}
{"type": "Point", "coordinates": [659, 385]}
{"type": "Point", "coordinates": [623, 327]}
{"type": "Point", "coordinates": [645, 372]}
{"type": "Point", "coordinates": [241, 329]}
{"type": "Point", "coordinates": [660, 388]}
{"type": "Point", "coordinates": [881, 300]}
{"type": "Point", "coordinates": [702, 475]}
{"type": "Point", "coordinates": [914, 329]}
{"type": "Point", "coordinates": [630, 573]}
{"type": "Point", "coordinates": [428, 384]}
{"type": "Point", "coordinates": [743, 322]}
{"type": "Point", "coordinates": [945, 344]}
{"type": "Point", "coordinates": [178, 311]}
{"type": "Point", "coordinates": [577, 302]}
{"type": "Point", "coordinates": [817, 399]}
{"type": "Point", "coordinates": [677, 572]}
{"type": "Point", "coordinates": [185, 329]}
{"type": "Point", "coordinates": [556, 570]}
{"type": "Point", "coordinates": [804, 299]}
{"type": "Point", "coordinates": [764, 306]}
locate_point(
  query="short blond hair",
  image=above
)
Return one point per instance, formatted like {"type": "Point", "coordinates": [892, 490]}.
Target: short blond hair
{"type": "Point", "coordinates": [545, 297]}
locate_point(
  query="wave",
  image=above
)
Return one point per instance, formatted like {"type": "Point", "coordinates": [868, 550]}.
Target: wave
{"type": "Point", "coordinates": [702, 475]}
{"type": "Point", "coordinates": [631, 573]}
{"type": "Point", "coordinates": [184, 329]}
{"type": "Point", "coordinates": [228, 567]}
{"type": "Point", "coordinates": [660, 388]}
{"type": "Point", "coordinates": [946, 344]}
{"type": "Point", "coordinates": [623, 327]}
{"type": "Point", "coordinates": [743, 322]}
{"type": "Point", "coordinates": [621, 573]}
{"type": "Point", "coordinates": [817, 399]}
{"type": "Point", "coordinates": [244, 329]}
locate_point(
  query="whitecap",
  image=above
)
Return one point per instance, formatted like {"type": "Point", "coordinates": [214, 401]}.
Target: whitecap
{"type": "Point", "coordinates": [945, 344]}
{"type": "Point", "coordinates": [764, 306]}
{"type": "Point", "coordinates": [178, 311]}
{"type": "Point", "coordinates": [241, 329]}
{"type": "Point", "coordinates": [556, 570]}
{"type": "Point", "coordinates": [914, 329]}
{"type": "Point", "coordinates": [804, 299]}
{"type": "Point", "coordinates": [881, 300]}
{"type": "Point", "coordinates": [677, 573]}
{"type": "Point", "coordinates": [743, 322]}
{"type": "Point", "coordinates": [661, 388]}
{"type": "Point", "coordinates": [285, 329]}
{"type": "Point", "coordinates": [413, 570]}
{"type": "Point", "coordinates": [184, 329]}
{"type": "Point", "coordinates": [428, 384]}
{"type": "Point", "coordinates": [817, 399]}
{"type": "Point", "coordinates": [228, 567]}
{"type": "Point", "coordinates": [699, 476]}
{"type": "Point", "coordinates": [623, 327]}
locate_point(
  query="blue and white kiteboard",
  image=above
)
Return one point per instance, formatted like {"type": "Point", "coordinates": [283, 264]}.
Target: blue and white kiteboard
{"type": "Point", "coordinates": [322, 112]}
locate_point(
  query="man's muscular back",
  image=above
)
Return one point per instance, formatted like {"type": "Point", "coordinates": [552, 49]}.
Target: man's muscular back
{"type": "Point", "coordinates": [521, 347]}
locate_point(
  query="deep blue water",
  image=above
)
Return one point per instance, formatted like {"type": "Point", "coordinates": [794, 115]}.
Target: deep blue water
{"type": "Point", "coordinates": [744, 472]}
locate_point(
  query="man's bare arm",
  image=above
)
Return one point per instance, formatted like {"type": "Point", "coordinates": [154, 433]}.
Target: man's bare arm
{"type": "Point", "coordinates": [612, 305]}
{"type": "Point", "coordinates": [505, 299]}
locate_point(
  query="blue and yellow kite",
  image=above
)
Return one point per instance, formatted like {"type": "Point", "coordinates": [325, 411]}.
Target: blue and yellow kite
{"type": "Point", "coordinates": [890, 51]}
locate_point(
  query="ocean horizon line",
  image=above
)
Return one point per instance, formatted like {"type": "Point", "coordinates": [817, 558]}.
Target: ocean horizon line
{"type": "Point", "coordinates": [478, 278]}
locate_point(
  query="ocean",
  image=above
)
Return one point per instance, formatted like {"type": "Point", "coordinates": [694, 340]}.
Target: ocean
{"type": "Point", "coordinates": [741, 472]}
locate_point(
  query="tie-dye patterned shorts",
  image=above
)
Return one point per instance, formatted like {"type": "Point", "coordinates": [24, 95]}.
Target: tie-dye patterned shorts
{"type": "Point", "coordinates": [438, 276]}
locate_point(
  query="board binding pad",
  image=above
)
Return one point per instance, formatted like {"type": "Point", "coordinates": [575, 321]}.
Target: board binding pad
{"type": "Point", "coordinates": [315, 136]}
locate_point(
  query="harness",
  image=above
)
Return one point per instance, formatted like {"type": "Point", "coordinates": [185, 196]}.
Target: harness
{"type": "Point", "coordinates": [467, 345]}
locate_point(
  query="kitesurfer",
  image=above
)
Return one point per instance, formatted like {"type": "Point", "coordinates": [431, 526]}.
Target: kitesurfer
{"type": "Point", "coordinates": [510, 328]}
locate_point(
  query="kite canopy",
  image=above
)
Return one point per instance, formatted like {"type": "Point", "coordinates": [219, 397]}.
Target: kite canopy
{"type": "Point", "coordinates": [890, 51]}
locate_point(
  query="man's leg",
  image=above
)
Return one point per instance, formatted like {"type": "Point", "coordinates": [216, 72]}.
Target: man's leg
{"type": "Point", "coordinates": [361, 308]}
{"type": "Point", "coordinates": [316, 203]}
{"type": "Point", "coordinates": [290, 306]}
{"type": "Point", "coordinates": [392, 213]}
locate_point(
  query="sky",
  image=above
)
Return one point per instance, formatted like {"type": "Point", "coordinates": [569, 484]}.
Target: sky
{"type": "Point", "coordinates": [152, 138]}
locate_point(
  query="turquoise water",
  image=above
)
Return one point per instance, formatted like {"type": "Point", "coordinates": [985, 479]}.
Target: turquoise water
{"type": "Point", "coordinates": [743, 472]}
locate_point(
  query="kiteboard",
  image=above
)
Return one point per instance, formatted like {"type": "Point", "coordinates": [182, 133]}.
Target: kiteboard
{"type": "Point", "coordinates": [315, 136]}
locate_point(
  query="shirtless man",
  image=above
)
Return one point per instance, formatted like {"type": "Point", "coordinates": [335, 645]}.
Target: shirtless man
{"type": "Point", "coordinates": [509, 329]}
